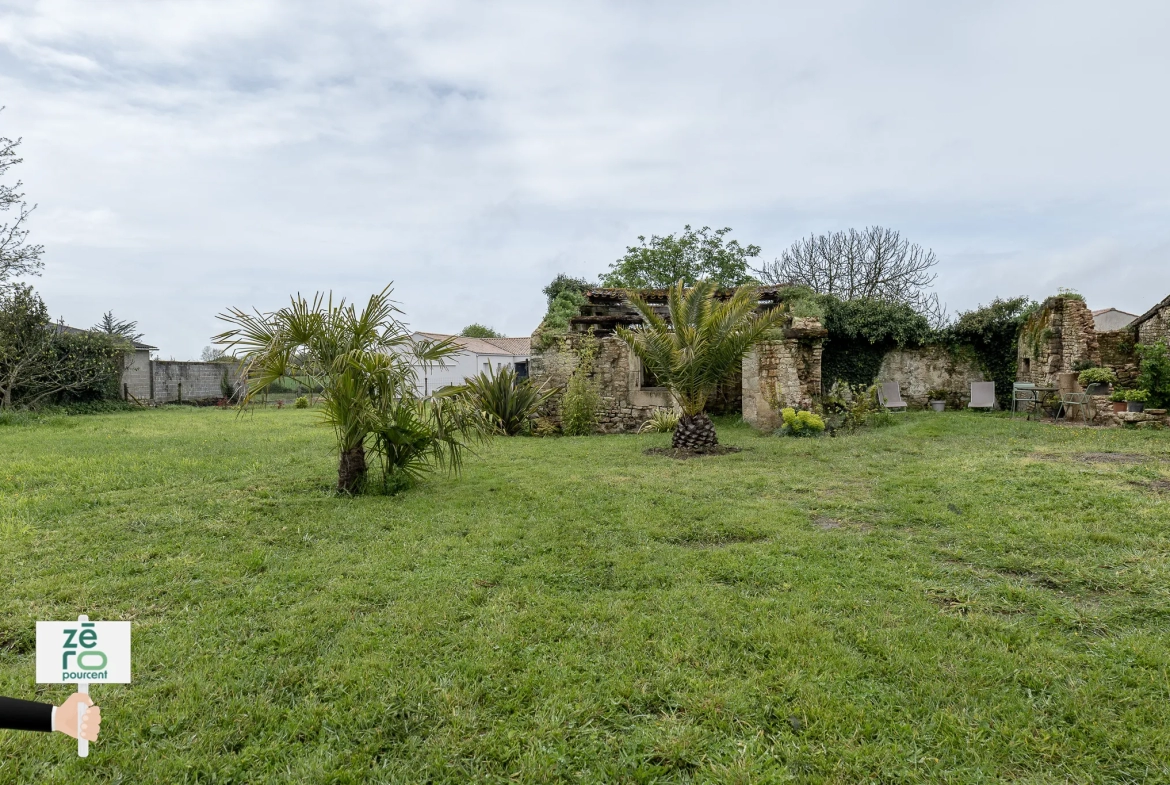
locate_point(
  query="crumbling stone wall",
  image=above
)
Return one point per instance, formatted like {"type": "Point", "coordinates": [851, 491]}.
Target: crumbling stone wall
{"type": "Point", "coordinates": [1117, 352]}
{"type": "Point", "coordinates": [920, 370]}
{"type": "Point", "coordinates": [1154, 325]}
{"type": "Point", "coordinates": [625, 404]}
{"type": "Point", "coordinates": [1057, 337]}
{"type": "Point", "coordinates": [782, 373]}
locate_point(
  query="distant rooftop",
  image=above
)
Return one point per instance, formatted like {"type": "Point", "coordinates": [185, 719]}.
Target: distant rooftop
{"type": "Point", "coordinates": [503, 346]}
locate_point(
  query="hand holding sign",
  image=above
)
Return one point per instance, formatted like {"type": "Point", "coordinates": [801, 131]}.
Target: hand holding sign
{"type": "Point", "coordinates": [78, 708]}
{"type": "Point", "coordinates": [84, 652]}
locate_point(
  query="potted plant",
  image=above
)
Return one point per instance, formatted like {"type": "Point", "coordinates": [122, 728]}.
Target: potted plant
{"type": "Point", "coordinates": [1136, 400]}
{"type": "Point", "coordinates": [1118, 399]}
{"type": "Point", "coordinates": [1096, 381]}
{"type": "Point", "coordinates": [938, 399]}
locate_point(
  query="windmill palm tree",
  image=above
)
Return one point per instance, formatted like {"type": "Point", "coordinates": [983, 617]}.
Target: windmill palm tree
{"type": "Point", "coordinates": [698, 348]}
{"type": "Point", "coordinates": [366, 364]}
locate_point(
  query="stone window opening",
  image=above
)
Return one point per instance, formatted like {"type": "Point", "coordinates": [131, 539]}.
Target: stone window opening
{"type": "Point", "coordinates": [648, 380]}
{"type": "Point", "coordinates": [1027, 365]}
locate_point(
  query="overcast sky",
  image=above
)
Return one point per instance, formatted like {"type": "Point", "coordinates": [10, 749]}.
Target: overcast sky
{"type": "Point", "coordinates": [190, 156]}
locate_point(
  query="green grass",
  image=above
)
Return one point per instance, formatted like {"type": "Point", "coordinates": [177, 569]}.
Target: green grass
{"type": "Point", "coordinates": [956, 598]}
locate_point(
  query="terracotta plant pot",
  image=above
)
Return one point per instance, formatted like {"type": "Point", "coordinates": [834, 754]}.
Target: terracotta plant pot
{"type": "Point", "coordinates": [1119, 406]}
{"type": "Point", "coordinates": [938, 406]}
{"type": "Point", "coordinates": [1135, 406]}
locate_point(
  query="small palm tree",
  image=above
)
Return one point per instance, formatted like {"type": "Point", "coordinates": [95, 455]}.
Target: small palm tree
{"type": "Point", "coordinates": [700, 346]}
{"type": "Point", "coordinates": [366, 364]}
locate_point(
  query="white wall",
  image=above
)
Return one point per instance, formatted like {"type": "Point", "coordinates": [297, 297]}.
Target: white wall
{"type": "Point", "coordinates": [460, 366]}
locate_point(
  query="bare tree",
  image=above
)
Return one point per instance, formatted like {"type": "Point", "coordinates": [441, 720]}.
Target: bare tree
{"type": "Point", "coordinates": [874, 263]}
{"type": "Point", "coordinates": [17, 257]}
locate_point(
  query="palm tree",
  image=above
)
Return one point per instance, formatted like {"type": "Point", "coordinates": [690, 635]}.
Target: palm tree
{"type": "Point", "coordinates": [366, 364]}
{"type": "Point", "coordinates": [700, 346]}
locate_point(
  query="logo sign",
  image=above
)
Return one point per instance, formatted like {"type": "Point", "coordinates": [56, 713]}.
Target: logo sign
{"type": "Point", "coordinates": [83, 651]}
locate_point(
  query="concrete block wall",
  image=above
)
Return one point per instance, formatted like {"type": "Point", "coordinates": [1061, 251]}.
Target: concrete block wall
{"type": "Point", "coordinates": [190, 380]}
{"type": "Point", "coordinates": [136, 375]}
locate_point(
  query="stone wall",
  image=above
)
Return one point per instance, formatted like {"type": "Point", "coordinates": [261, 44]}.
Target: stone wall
{"type": "Point", "coordinates": [1154, 325]}
{"type": "Point", "coordinates": [918, 371]}
{"type": "Point", "coordinates": [1116, 348]}
{"type": "Point", "coordinates": [782, 373]}
{"type": "Point", "coordinates": [1057, 337]}
{"type": "Point", "coordinates": [190, 381]}
{"type": "Point", "coordinates": [1103, 414]}
{"type": "Point", "coordinates": [625, 404]}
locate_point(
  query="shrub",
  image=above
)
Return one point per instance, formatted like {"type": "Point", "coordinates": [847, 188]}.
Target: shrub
{"type": "Point", "coordinates": [938, 394]}
{"type": "Point", "coordinates": [851, 407]}
{"type": "Point", "coordinates": [1137, 396]}
{"type": "Point", "coordinates": [581, 400]}
{"type": "Point", "coordinates": [662, 421]}
{"type": "Point", "coordinates": [1118, 395]}
{"type": "Point", "coordinates": [802, 423]}
{"type": "Point", "coordinates": [506, 401]}
{"type": "Point", "coordinates": [1096, 376]}
{"type": "Point", "coordinates": [302, 402]}
{"type": "Point", "coordinates": [1155, 372]}
{"type": "Point", "coordinates": [806, 307]}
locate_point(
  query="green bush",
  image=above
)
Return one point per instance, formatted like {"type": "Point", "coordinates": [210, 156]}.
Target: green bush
{"type": "Point", "coordinates": [1097, 376]}
{"type": "Point", "coordinates": [582, 400]}
{"type": "Point", "coordinates": [806, 307]}
{"type": "Point", "coordinates": [1118, 395]}
{"type": "Point", "coordinates": [1154, 376]}
{"type": "Point", "coordinates": [302, 402]}
{"type": "Point", "coordinates": [1137, 396]}
{"type": "Point", "coordinates": [802, 423]}
{"type": "Point", "coordinates": [506, 401]}
{"type": "Point", "coordinates": [849, 407]}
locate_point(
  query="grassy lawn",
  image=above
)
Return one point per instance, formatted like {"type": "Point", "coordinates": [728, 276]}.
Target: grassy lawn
{"type": "Point", "coordinates": [956, 598]}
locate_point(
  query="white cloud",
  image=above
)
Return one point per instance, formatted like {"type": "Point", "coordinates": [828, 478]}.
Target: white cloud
{"type": "Point", "coordinates": [188, 156]}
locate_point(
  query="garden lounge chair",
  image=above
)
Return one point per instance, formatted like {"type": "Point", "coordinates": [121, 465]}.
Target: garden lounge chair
{"type": "Point", "coordinates": [890, 396]}
{"type": "Point", "coordinates": [982, 395]}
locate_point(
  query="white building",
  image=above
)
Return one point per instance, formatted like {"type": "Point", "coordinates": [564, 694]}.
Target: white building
{"type": "Point", "coordinates": [477, 354]}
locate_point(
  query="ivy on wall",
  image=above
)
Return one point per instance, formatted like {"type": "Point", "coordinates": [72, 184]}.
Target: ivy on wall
{"type": "Point", "coordinates": [862, 332]}
{"type": "Point", "coordinates": [991, 332]}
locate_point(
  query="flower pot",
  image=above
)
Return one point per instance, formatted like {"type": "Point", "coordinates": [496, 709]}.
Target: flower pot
{"type": "Point", "coordinates": [1119, 406]}
{"type": "Point", "coordinates": [938, 406]}
{"type": "Point", "coordinates": [1135, 406]}
{"type": "Point", "coordinates": [1098, 388]}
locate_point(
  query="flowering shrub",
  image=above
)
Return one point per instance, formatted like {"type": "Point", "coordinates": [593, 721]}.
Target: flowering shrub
{"type": "Point", "coordinates": [801, 423]}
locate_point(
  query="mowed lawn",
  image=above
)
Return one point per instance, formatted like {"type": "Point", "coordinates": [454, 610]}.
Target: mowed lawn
{"type": "Point", "coordinates": [956, 598]}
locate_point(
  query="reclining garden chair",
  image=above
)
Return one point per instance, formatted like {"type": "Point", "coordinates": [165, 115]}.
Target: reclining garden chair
{"type": "Point", "coordinates": [982, 395]}
{"type": "Point", "coordinates": [890, 396]}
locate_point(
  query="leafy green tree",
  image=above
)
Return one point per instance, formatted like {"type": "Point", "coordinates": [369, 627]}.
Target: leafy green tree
{"type": "Point", "coordinates": [367, 366]}
{"type": "Point", "coordinates": [691, 257]}
{"type": "Point", "coordinates": [40, 363]}
{"type": "Point", "coordinates": [697, 348]}
{"type": "Point", "coordinates": [565, 296]}
{"type": "Point", "coordinates": [477, 330]}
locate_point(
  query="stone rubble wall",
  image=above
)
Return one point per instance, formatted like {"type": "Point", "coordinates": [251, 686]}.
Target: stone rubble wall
{"type": "Point", "coordinates": [1103, 414]}
{"type": "Point", "coordinates": [1117, 353]}
{"type": "Point", "coordinates": [1157, 327]}
{"type": "Point", "coordinates": [1057, 337]}
{"type": "Point", "coordinates": [625, 405]}
{"type": "Point", "coordinates": [782, 373]}
{"type": "Point", "coordinates": [920, 370]}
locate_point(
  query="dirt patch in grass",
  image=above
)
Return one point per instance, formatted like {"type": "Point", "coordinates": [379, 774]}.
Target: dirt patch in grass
{"type": "Point", "coordinates": [1093, 457]}
{"type": "Point", "coordinates": [682, 455]}
{"type": "Point", "coordinates": [825, 523]}
{"type": "Point", "coordinates": [1159, 486]}
{"type": "Point", "coordinates": [713, 539]}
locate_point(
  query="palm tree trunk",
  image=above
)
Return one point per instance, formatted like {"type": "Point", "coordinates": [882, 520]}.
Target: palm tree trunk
{"type": "Point", "coordinates": [351, 469]}
{"type": "Point", "coordinates": [694, 432]}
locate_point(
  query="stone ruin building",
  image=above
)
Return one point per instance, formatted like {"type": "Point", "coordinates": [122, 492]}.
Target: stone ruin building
{"type": "Point", "coordinates": [776, 373]}
{"type": "Point", "coordinates": [1061, 338]}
